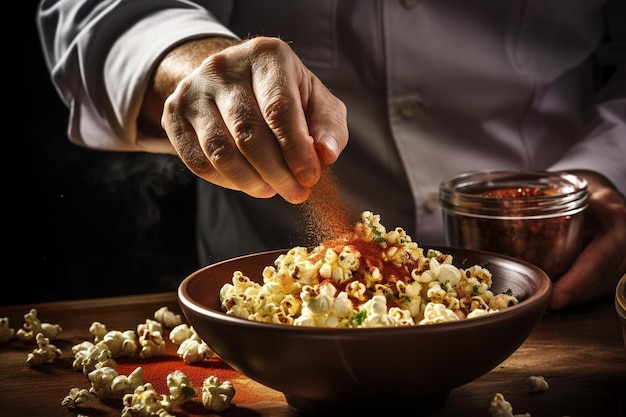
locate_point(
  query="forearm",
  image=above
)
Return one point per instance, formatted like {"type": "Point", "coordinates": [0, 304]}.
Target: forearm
{"type": "Point", "coordinates": [102, 54]}
{"type": "Point", "coordinates": [174, 66]}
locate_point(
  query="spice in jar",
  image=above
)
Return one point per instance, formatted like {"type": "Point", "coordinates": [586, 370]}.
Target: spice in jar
{"type": "Point", "coordinates": [535, 216]}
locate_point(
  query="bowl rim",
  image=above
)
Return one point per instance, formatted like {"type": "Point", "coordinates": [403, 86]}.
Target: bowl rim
{"type": "Point", "coordinates": [541, 294]}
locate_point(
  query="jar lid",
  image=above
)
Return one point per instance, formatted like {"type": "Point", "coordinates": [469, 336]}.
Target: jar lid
{"type": "Point", "coordinates": [514, 194]}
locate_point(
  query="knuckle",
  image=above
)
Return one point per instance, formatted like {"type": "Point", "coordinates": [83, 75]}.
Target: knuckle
{"type": "Point", "coordinates": [194, 159]}
{"type": "Point", "coordinates": [220, 153]}
{"type": "Point", "coordinates": [261, 45]}
{"type": "Point", "coordinates": [278, 110]}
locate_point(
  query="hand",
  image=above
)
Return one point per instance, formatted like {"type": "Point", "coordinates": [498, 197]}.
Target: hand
{"type": "Point", "coordinates": [598, 268]}
{"type": "Point", "coordinates": [252, 117]}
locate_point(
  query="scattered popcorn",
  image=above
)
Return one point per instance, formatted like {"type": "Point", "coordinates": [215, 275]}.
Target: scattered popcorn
{"type": "Point", "coordinates": [145, 402]}
{"type": "Point", "coordinates": [123, 384]}
{"type": "Point", "coordinates": [193, 351]}
{"type": "Point", "coordinates": [538, 384]}
{"type": "Point", "coordinates": [107, 383]}
{"type": "Point", "coordinates": [98, 330]}
{"type": "Point", "coordinates": [33, 326]}
{"type": "Point", "coordinates": [152, 343]}
{"type": "Point", "coordinates": [80, 352]}
{"type": "Point", "coordinates": [181, 389]}
{"type": "Point", "coordinates": [167, 318]}
{"type": "Point", "coordinates": [181, 333]}
{"type": "Point", "coordinates": [6, 332]}
{"type": "Point", "coordinates": [101, 379]}
{"type": "Point", "coordinates": [96, 361]}
{"type": "Point", "coordinates": [192, 348]}
{"type": "Point", "coordinates": [217, 395]}
{"type": "Point", "coordinates": [366, 278]}
{"type": "Point", "coordinates": [93, 357]}
{"type": "Point", "coordinates": [500, 407]}
{"type": "Point", "coordinates": [150, 338]}
{"type": "Point", "coordinates": [75, 397]}
{"type": "Point", "coordinates": [44, 353]}
{"type": "Point", "coordinates": [121, 343]}
{"type": "Point", "coordinates": [149, 326]}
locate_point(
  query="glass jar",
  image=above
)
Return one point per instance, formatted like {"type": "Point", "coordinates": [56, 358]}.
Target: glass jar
{"type": "Point", "coordinates": [535, 216]}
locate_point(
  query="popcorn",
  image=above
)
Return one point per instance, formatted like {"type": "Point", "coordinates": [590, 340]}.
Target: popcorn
{"type": "Point", "coordinates": [33, 326]}
{"type": "Point", "coordinates": [499, 407]}
{"type": "Point", "coordinates": [538, 384]}
{"type": "Point", "coordinates": [96, 361]}
{"type": "Point", "coordinates": [75, 397]}
{"type": "Point", "coordinates": [149, 326]}
{"type": "Point", "coordinates": [119, 343]}
{"type": "Point", "coordinates": [6, 332]}
{"type": "Point", "coordinates": [335, 283]}
{"type": "Point", "coordinates": [193, 350]}
{"type": "Point", "coordinates": [152, 344]}
{"type": "Point", "coordinates": [181, 333]}
{"type": "Point", "coordinates": [217, 395]}
{"type": "Point", "coordinates": [101, 379]}
{"type": "Point", "coordinates": [181, 389]}
{"type": "Point", "coordinates": [167, 318]}
{"type": "Point", "coordinates": [145, 402]}
{"type": "Point", "coordinates": [150, 338]}
{"type": "Point", "coordinates": [44, 353]}
{"type": "Point", "coordinates": [94, 356]}
{"type": "Point", "coordinates": [437, 313]}
{"type": "Point", "coordinates": [123, 384]}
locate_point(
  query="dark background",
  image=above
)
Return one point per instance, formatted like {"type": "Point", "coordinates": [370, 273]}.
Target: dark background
{"type": "Point", "coordinates": [82, 223]}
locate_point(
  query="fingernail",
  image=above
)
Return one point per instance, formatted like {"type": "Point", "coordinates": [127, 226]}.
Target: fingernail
{"type": "Point", "coordinates": [330, 144]}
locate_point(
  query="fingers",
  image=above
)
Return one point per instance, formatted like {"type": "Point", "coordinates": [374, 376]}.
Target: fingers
{"type": "Point", "coordinates": [253, 118]}
{"type": "Point", "coordinates": [206, 147]}
{"type": "Point", "coordinates": [602, 262]}
{"type": "Point", "coordinates": [327, 117]}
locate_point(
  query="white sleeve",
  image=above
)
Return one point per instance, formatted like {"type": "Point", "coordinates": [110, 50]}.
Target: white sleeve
{"type": "Point", "coordinates": [101, 53]}
{"type": "Point", "coordinates": [603, 145]}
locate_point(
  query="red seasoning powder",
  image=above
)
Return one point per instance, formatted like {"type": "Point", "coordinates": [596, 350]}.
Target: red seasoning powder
{"type": "Point", "coordinates": [325, 213]}
{"type": "Point", "coordinates": [156, 369]}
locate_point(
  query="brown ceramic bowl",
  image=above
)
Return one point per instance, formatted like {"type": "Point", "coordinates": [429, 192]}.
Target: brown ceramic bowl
{"type": "Point", "coordinates": [620, 304]}
{"type": "Point", "coordinates": [322, 370]}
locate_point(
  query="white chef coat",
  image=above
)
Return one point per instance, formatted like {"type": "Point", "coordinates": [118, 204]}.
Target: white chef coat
{"type": "Point", "coordinates": [432, 87]}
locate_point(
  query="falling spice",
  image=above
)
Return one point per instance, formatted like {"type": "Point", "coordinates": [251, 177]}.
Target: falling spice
{"type": "Point", "coordinates": [326, 214]}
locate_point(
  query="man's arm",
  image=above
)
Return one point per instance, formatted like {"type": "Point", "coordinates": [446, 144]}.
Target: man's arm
{"type": "Point", "coordinates": [174, 66]}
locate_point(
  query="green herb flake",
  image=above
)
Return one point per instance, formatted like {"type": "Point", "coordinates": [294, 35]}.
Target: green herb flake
{"type": "Point", "coordinates": [359, 317]}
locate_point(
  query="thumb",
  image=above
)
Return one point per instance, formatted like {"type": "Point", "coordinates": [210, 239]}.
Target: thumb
{"type": "Point", "coordinates": [328, 122]}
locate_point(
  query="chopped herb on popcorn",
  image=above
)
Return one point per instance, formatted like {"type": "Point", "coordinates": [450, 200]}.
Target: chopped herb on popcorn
{"type": "Point", "coordinates": [367, 278]}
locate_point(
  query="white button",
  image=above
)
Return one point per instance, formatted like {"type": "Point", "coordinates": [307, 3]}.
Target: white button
{"type": "Point", "coordinates": [431, 203]}
{"type": "Point", "coordinates": [409, 4]}
{"type": "Point", "coordinates": [408, 109]}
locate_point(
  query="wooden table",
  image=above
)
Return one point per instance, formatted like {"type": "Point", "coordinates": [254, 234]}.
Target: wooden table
{"type": "Point", "coordinates": [579, 351]}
